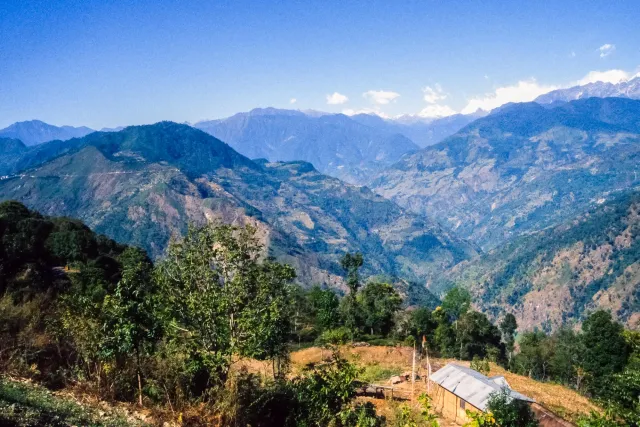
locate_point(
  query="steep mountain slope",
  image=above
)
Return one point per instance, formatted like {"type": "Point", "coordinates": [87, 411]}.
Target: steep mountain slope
{"type": "Point", "coordinates": [10, 151]}
{"type": "Point", "coordinates": [558, 275]}
{"type": "Point", "coordinates": [335, 144]}
{"type": "Point", "coordinates": [521, 169]}
{"type": "Point", "coordinates": [146, 183]}
{"type": "Point", "coordinates": [35, 132]}
{"type": "Point", "coordinates": [628, 89]}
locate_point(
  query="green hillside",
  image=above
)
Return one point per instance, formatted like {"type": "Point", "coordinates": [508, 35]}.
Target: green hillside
{"type": "Point", "coordinates": [145, 184]}
{"type": "Point", "coordinates": [559, 275]}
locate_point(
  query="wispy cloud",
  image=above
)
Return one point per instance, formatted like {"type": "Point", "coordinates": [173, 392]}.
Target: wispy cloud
{"type": "Point", "coordinates": [606, 50]}
{"type": "Point", "coordinates": [380, 97]}
{"type": "Point", "coordinates": [523, 91]}
{"type": "Point", "coordinates": [434, 94]}
{"type": "Point", "coordinates": [293, 101]}
{"type": "Point", "coordinates": [336, 99]}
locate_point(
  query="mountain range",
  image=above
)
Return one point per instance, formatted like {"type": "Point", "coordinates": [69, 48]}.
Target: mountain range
{"type": "Point", "coordinates": [35, 132]}
{"type": "Point", "coordinates": [625, 89]}
{"type": "Point", "coordinates": [532, 206]}
{"type": "Point", "coordinates": [352, 148]}
{"type": "Point", "coordinates": [521, 169]}
{"type": "Point", "coordinates": [145, 184]}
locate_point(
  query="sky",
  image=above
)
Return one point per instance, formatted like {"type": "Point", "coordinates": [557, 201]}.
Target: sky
{"type": "Point", "coordinates": [112, 63]}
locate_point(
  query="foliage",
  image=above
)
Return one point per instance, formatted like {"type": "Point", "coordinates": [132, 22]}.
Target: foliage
{"type": "Point", "coordinates": [476, 335]}
{"type": "Point", "coordinates": [480, 419]}
{"type": "Point", "coordinates": [323, 308]}
{"type": "Point", "coordinates": [351, 265]}
{"type": "Point", "coordinates": [379, 302]}
{"type": "Point", "coordinates": [456, 302]}
{"type": "Point", "coordinates": [337, 336]}
{"type": "Point", "coordinates": [221, 301]}
{"type": "Point", "coordinates": [605, 349]}
{"type": "Point", "coordinates": [508, 327]}
{"type": "Point", "coordinates": [325, 390]}
{"type": "Point", "coordinates": [480, 365]}
{"type": "Point", "coordinates": [510, 412]}
{"type": "Point", "coordinates": [130, 325]}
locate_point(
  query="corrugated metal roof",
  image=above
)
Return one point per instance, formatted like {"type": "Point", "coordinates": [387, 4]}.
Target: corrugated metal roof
{"type": "Point", "coordinates": [471, 385]}
{"type": "Point", "coordinates": [500, 380]}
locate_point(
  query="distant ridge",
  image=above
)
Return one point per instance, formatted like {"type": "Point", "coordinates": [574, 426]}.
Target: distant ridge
{"type": "Point", "coordinates": [35, 132]}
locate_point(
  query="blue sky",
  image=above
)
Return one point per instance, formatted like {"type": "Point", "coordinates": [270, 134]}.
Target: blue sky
{"type": "Point", "coordinates": [109, 63]}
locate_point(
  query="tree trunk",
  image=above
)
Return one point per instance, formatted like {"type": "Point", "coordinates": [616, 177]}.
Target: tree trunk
{"type": "Point", "coordinates": [139, 377]}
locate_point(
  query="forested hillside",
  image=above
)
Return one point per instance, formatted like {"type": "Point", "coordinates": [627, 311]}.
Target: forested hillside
{"type": "Point", "coordinates": [144, 184]}
{"type": "Point", "coordinates": [79, 311]}
{"type": "Point", "coordinates": [557, 276]}
{"type": "Point", "coordinates": [521, 169]}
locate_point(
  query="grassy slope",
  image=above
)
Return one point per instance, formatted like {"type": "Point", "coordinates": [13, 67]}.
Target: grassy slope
{"type": "Point", "coordinates": [26, 404]}
{"type": "Point", "coordinates": [564, 401]}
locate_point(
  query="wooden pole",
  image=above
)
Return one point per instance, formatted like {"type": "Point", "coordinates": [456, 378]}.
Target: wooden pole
{"type": "Point", "coordinates": [413, 372]}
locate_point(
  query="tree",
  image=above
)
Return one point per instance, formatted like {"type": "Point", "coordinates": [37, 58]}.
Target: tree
{"type": "Point", "coordinates": [422, 323]}
{"type": "Point", "coordinates": [510, 412]}
{"type": "Point", "coordinates": [222, 301]}
{"type": "Point", "coordinates": [378, 304]}
{"type": "Point", "coordinates": [476, 335]}
{"type": "Point", "coordinates": [324, 308]}
{"type": "Point", "coordinates": [130, 324]}
{"type": "Point", "coordinates": [323, 396]}
{"type": "Point", "coordinates": [444, 335]}
{"type": "Point", "coordinates": [565, 362]}
{"type": "Point", "coordinates": [534, 357]}
{"type": "Point", "coordinates": [605, 349]}
{"type": "Point", "coordinates": [351, 265]}
{"type": "Point", "coordinates": [508, 327]}
{"type": "Point", "coordinates": [456, 302]}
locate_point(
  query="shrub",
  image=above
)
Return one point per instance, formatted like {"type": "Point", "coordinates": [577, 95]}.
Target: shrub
{"type": "Point", "coordinates": [480, 365]}
{"type": "Point", "coordinates": [336, 336]}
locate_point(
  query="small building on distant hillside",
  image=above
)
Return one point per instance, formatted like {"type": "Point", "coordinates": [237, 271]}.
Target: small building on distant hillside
{"type": "Point", "coordinates": [458, 389]}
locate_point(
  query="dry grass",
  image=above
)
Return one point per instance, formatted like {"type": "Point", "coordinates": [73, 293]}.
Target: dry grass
{"type": "Point", "coordinates": [565, 402]}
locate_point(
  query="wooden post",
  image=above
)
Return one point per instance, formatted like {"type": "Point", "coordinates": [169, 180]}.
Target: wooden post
{"type": "Point", "coordinates": [413, 372]}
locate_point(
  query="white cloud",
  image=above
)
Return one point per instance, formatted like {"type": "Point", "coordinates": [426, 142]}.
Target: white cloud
{"type": "Point", "coordinates": [380, 97]}
{"type": "Point", "coordinates": [293, 101]}
{"type": "Point", "coordinates": [523, 91]}
{"type": "Point", "coordinates": [436, 110]}
{"type": "Point", "coordinates": [606, 50]}
{"type": "Point", "coordinates": [433, 94]}
{"type": "Point", "coordinates": [572, 54]}
{"type": "Point", "coordinates": [336, 98]}
{"type": "Point", "coordinates": [609, 76]}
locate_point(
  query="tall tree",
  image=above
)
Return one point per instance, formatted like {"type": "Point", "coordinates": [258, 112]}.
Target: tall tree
{"type": "Point", "coordinates": [130, 324]}
{"type": "Point", "coordinates": [476, 335]}
{"type": "Point", "coordinates": [456, 302]}
{"type": "Point", "coordinates": [324, 306]}
{"type": "Point", "coordinates": [508, 327]}
{"type": "Point", "coordinates": [379, 302]}
{"type": "Point", "coordinates": [222, 301]}
{"type": "Point", "coordinates": [351, 265]}
{"type": "Point", "coordinates": [605, 348]}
